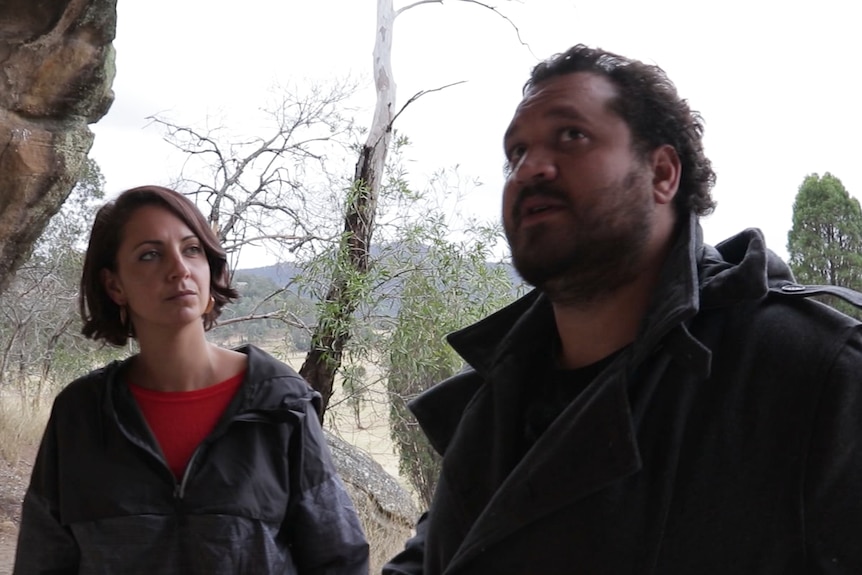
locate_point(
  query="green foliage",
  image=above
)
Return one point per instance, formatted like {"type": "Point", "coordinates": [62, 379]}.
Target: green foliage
{"type": "Point", "coordinates": [444, 286]}
{"type": "Point", "coordinates": [825, 242]}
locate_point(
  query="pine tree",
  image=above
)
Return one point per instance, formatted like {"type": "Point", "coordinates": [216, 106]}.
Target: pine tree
{"type": "Point", "coordinates": [825, 242]}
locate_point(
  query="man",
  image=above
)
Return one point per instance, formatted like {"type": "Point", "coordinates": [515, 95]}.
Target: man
{"type": "Point", "coordinates": [655, 405]}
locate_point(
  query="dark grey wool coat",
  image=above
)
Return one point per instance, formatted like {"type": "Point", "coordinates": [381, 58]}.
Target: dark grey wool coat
{"type": "Point", "coordinates": [726, 440]}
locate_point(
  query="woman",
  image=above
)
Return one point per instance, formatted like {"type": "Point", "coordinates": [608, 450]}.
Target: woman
{"type": "Point", "coordinates": [187, 457]}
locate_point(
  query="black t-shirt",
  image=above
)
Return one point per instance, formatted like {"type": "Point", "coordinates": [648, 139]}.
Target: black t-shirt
{"type": "Point", "coordinates": [555, 389]}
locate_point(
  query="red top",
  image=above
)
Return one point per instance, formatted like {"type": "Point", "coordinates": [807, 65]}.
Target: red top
{"type": "Point", "coordinates": [180, 420]}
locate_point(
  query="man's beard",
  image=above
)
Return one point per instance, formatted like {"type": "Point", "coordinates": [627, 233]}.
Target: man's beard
{"type": "Point", "coordinates": [602, 248]}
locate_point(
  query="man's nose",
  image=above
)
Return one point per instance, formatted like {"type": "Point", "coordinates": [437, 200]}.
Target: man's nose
{"type": "Point", "coordinates": [536, 165]}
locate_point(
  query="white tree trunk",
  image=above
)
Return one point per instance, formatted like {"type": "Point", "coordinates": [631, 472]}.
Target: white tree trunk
{"type": "Point", "coordinates": [331, 334]}
{"type": "Point", "coordinates": [384, 83]}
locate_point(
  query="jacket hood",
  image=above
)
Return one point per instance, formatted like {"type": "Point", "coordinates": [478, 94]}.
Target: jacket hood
{"type": "Point", "coordinates": [263, 372]}
{"type": "Point", "coordinates": [740, 268]}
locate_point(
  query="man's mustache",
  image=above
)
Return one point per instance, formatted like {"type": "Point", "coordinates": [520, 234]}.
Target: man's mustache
{"type": "Point", "coordinates": [538, 190]}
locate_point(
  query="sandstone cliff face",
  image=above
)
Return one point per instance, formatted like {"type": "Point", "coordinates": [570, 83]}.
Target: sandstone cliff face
{"type": "Point", "coordinates": [56, 71]}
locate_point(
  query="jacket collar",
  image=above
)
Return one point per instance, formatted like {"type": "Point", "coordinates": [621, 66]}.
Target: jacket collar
{"type": "Point", "coordinates": [523, 327]}
{"type": "Point", "coordinates": [694, 276]}
{"type": "Point", "coordinates": [271, 390]}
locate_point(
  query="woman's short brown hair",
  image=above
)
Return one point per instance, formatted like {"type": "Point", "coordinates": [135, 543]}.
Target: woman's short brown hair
{"type": "Point", "coordinates": [100, 314]}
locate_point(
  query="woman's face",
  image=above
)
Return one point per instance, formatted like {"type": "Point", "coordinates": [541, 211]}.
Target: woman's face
{"type": "Point", "coordinates": [162, 273]}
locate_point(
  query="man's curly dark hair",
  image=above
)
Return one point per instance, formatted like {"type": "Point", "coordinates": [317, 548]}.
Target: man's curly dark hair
{"type": "Point", "coordinates": [648, 102]}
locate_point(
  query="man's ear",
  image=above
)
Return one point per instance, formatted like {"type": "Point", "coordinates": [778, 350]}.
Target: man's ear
{"type": "Point", "coordinates": [666, 169]}
{"type": "Point", "coordinates": [113, 287]}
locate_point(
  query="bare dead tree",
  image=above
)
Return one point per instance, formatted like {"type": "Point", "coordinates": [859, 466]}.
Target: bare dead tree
{"type": "Point", "coordinates": [272, 190]}
{"type": "Point", "coordinates": [278, 190]}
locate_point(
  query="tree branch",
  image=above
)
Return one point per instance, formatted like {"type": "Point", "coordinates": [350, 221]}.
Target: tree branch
{"type": "Point", "coordinates": [504, 17]}
{"type": "Point", "coordinates": [409, 6]}
{"type": "Point", "coordinates": [477, 3]}
{"type": "Point", "coordinates": [418, 95]}
{"type": "Point", "coordinates": [251, 317]}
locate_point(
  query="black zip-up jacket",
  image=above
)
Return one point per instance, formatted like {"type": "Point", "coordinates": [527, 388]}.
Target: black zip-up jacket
{"type": "Point", "coordinates": [727, 439]}
{"type": "Point", "coordinates": [259, 496]}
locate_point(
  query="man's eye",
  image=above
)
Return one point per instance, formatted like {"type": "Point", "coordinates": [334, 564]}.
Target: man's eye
{"type": "Point", "coordinates": [570, 134]}
{"type": "Point", "coordinates": [514, 154]}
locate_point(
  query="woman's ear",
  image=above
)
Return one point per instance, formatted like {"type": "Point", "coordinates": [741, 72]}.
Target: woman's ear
{"type": "Point", "coordinates": [113, 287]}
{"type": "Point", "coordinates": [666, 170]}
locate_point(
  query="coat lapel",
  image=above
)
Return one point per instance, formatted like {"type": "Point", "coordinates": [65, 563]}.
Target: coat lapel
{"type": "Point", "coordinates": [590, 446]}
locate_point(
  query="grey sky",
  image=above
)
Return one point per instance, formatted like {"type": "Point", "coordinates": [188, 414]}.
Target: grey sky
{"type": "Point", "coordinates": [776, 82]}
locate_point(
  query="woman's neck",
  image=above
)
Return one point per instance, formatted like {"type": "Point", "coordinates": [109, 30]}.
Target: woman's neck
{"type": "Point", "coordinates": [175, 362]}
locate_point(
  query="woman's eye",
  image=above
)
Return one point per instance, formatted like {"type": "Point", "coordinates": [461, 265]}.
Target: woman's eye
{"type": "Point", "coordinates": [148, 256]}
{"type": "Point", "coordinates": [194, 250]}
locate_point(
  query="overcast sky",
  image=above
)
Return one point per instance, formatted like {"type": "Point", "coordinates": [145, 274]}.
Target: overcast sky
{"type": "Point", "coordinates": [776, 82]}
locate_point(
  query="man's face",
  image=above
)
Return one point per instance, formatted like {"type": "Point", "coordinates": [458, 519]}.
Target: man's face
{"type": "Point", "coordinates": [577, 204]}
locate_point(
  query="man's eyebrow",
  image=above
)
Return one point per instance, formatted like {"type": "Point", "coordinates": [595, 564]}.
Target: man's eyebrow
{"type": "Point", "coordinates": [561, 111]}
{"type": "Point", "coordinates": [508, 134]}
{"type": "Point", "coordinates": [566, 112]}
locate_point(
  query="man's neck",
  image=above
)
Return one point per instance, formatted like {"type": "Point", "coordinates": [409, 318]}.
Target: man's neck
{"type": "Point", "coordinates": [590, 331]}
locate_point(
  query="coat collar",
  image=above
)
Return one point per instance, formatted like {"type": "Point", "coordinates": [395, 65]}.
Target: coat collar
{"type": "Point", "coordinates": [523, 327]}
{"type": "Point", "coordinates": [694, 276]}
{"type": "Point", "coordinates": [590, 446]}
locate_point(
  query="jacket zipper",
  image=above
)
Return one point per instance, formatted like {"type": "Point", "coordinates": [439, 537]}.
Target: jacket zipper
{"type": "Point", "coordinates": [180, 488]}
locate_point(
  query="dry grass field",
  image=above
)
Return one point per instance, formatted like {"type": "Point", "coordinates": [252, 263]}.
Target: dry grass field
{"type": "Point", "coordinates": [21, 427]}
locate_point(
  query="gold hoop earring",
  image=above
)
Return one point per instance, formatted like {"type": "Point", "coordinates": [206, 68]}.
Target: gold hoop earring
{"type": "Point", "coordinates": [125, 322]}
{"type": "Point", "coordinates": [210, 305]}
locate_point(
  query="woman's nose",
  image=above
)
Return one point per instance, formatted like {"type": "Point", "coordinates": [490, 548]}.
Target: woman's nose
{"type": "Point", "coordinates": [179, 267]}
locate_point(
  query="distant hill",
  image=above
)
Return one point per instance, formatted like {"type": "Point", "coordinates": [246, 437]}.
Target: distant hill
{"type": "Point", "coordinates": [257, 285]}
{"type": "Point", "coordinates": [280, 274]}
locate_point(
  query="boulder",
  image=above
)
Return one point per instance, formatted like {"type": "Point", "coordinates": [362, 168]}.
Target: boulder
{"type": "Point", "coordinates": [56, 71]}
{"type": "Point", "coordinates": [386, 509]}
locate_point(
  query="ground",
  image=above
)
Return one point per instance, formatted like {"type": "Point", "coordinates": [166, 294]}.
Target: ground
{"type": "Point", "coordinates": [13, 483]}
